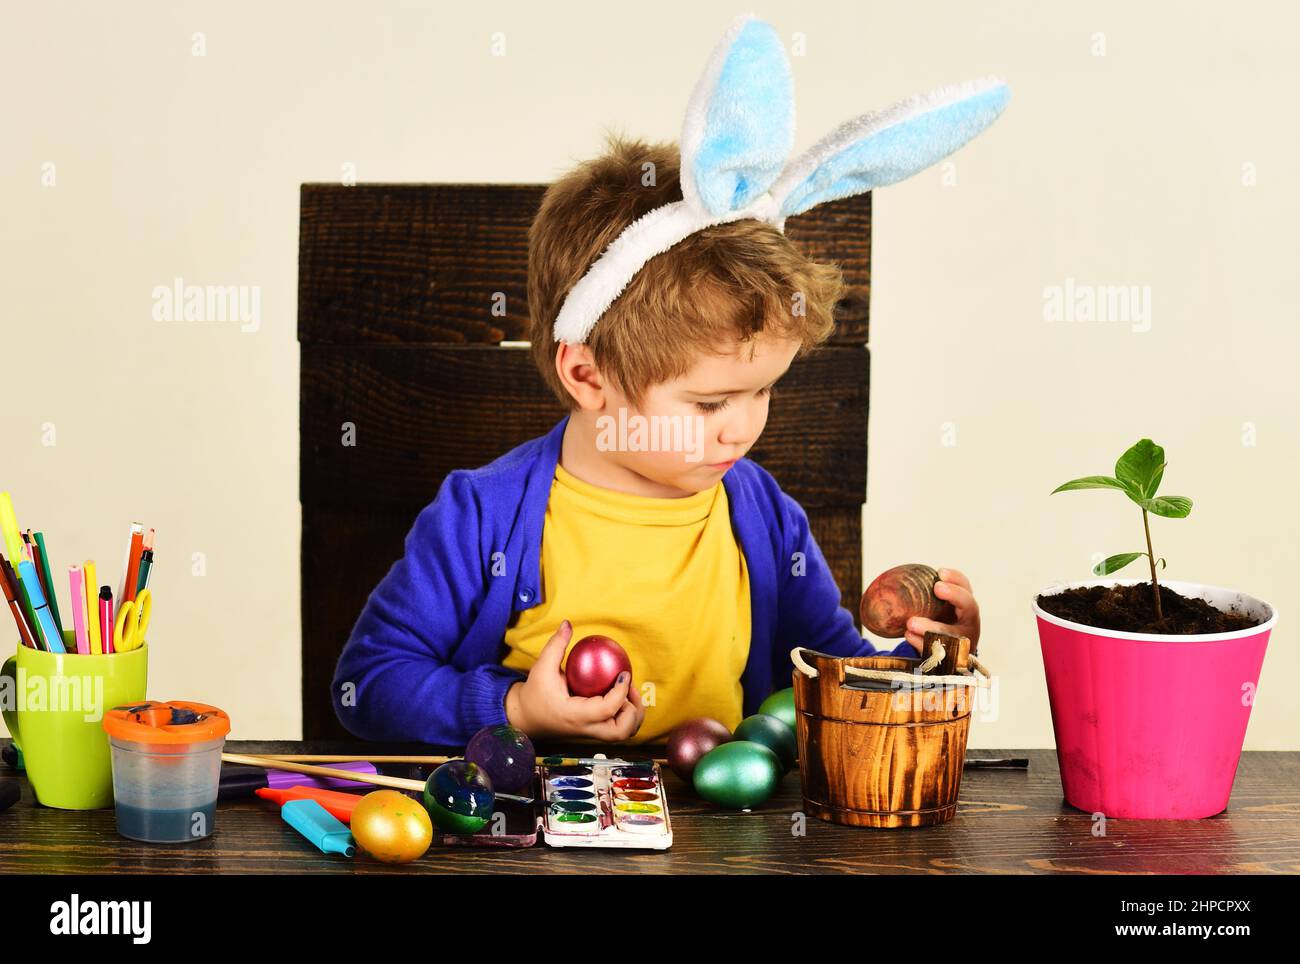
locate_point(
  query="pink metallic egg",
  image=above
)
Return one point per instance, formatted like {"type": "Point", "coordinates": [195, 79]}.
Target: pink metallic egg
{"type": "Point", "coordinates": [594, 664]}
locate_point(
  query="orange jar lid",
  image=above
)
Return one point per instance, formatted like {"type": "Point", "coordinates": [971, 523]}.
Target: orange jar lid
{"type": "Point", "coordinates": [180, 721]}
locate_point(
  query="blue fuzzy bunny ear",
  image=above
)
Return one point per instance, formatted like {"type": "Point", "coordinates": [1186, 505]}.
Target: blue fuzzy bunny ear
{"type": "Point", "coordinates": [739, 126]}
{"type": "Point", "coordinates": [887, 146]}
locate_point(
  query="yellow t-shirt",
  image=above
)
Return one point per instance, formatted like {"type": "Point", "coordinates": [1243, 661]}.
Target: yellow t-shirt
{"type": "Point", "coordinates": [664, 577]}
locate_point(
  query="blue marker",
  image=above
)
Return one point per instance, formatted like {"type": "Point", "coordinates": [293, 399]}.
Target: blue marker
{"type": "Point", "coordinates": [53, 638]}
{"type": "Point", "coordinates": [319, 826]}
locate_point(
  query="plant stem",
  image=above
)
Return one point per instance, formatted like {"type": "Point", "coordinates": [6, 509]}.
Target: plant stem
{"type": "Point", "coordinates": [1151, 558]}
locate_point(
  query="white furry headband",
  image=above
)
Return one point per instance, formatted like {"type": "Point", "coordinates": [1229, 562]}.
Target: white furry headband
{"type": "Point", "coordinates": [738, 132]}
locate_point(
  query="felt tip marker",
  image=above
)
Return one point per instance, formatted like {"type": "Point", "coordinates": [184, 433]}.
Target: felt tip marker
{"type": "Point", "coordinates": [106, 618]}
{"type": "Point", "coordinates": [91, 602]}
{"type": "Point", "coordinates": [9, 527]}
{"type": "Point", "coordinates": [77, 590]}
{"type": "Point", "coordinates": [337, 803]}
{"type": "Point", "coordinates": [146, 565]}
{"type": "Point", "coordinates": [312, 820]}
{"type": "Point", "coordinates": [24, 603]}
{"type": "Point", "coordinates": [47, 580]}
{"type": "Point", "coordinates": [131, 578]}
{"type": "Point", "coordinates": [12, 598]}
{"type": "Point", "coordinates": [53, 638]}
{"type": "Point", "coordinates": [242, 781]}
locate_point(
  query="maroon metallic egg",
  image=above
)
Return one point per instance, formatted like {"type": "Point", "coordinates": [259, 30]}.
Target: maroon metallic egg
{"type": "Point", "coordinates": [594, 664]}
{"type": "Point", "coordinates": [691, 740]}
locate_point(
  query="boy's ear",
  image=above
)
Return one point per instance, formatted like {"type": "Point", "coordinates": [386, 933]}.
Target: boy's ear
{"type": "Point", "coordinates": [576, 367]}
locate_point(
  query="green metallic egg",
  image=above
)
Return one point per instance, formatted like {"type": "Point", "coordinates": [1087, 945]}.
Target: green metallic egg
{"type": "Point", "coordinates": [781, 705]}
{"type": "Point", "coordinates": [740, 774]}
{"type": "Point", "coordinates": [773, 734]}
{"type": "Point", "coordinates": [459, 797]}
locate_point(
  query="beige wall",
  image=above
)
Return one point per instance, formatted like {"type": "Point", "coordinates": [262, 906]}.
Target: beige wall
{"type": "Point", "coordinates": [1122, 169]}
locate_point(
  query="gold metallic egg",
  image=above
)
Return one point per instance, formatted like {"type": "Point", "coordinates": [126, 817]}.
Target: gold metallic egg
{"type": "Point", "coordinates": [392, 827]}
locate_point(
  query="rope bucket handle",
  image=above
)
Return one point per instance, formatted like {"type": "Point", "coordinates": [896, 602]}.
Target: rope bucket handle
{"type": "Point", "coordinates": [983, 678]}
{"type": "Point", "coordinates": [801, 664]}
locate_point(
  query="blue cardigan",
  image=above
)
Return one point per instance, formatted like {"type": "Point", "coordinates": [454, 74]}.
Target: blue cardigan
{"type": "Point", "coordinates": [423, 662]}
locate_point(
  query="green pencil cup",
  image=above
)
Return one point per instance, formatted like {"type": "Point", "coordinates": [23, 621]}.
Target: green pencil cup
{"type": "Point", "coordinates": [54, 705]}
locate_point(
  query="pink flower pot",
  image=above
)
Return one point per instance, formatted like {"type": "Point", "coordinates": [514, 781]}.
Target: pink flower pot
{"type": "Point", "coordinates": [1150, 726]}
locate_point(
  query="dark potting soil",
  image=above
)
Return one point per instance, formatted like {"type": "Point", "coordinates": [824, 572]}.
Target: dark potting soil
{"type": "Point", "coordinates": [1131, 609]}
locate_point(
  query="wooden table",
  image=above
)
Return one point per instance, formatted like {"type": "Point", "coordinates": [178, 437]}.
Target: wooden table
{"type": "Point", "coordinates": [1009, 822]}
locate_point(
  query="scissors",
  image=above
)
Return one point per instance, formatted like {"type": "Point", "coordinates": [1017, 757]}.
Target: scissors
{"type": "Point", "coordinates": [132, 622]}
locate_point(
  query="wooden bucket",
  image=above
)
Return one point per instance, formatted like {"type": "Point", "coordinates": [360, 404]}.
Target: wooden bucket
{"type": "Point", "coordinates": [877, 753]}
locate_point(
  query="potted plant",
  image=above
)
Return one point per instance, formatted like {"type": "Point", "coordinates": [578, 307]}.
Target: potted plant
{"type": "Point", "coordinates": [1150, 682]}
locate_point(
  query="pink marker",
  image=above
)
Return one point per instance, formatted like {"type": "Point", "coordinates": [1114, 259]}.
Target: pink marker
{"type": "Point", "coordinates": [77, 581]}
{"type": "Point", "coordinates": [106, 619]}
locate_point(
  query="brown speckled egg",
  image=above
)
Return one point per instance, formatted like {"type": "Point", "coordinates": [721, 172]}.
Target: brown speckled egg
{"type": "Point", "coordinates": [898, 594]}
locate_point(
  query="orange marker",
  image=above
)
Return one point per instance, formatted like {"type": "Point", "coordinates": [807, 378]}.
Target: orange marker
{"type": "Point", "coordinates": [338, 803]}
{"type": "Point", "coordinates": [132, 574]}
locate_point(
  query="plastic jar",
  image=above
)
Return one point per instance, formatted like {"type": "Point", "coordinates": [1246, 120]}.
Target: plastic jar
{"type": "Point", "coordinates": [166, 768]}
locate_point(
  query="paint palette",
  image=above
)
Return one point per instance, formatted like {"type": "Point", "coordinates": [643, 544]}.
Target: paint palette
{"type": "Point", "coordinates": [612, 804]}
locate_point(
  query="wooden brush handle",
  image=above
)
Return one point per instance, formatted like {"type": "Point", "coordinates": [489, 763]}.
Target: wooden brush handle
{"type": "Point", "coordinates": [375, 779]}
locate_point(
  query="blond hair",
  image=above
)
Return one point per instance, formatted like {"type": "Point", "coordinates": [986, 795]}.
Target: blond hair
{"type": "Point", "coordinates": [726, 283]}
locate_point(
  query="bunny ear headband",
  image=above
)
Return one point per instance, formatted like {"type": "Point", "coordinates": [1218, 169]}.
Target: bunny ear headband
{"type": "Point", "coordinates": [738, 132]}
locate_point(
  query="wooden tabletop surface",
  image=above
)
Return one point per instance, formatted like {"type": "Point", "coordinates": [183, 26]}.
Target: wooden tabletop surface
{"type": "Point", "coordinates": [1008, 822]}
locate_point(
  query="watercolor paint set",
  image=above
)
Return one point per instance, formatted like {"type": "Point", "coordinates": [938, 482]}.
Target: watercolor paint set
{"type": "Point", "coordinates": [579, 802]}
{"type": "Point", "coordinates": [598, 804]}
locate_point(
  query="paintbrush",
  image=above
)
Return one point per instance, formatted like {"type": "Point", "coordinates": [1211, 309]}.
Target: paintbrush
{"type": "Point", "coordinates": [1007, 763]}
{"type": "Point", "coordinates": [550, 761]}
{"type": "Point", "coordinates": [375, 779]}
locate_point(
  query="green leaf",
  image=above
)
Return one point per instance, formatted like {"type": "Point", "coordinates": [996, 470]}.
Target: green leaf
{"type": "Point", "coordinates": [1115, 563]}
{"type": "Point", "coordinates": [1091, 482]}
{"type": "Point", "coordinates": [1169, 506]}
{"type": "Point", "coordinates": [1161, 563]}
{"type": "Point", "coordinates": [1142, 467]}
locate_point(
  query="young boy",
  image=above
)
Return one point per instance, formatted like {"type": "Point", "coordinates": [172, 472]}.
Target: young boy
{"type": "Point", "coordinates": [692, 557]}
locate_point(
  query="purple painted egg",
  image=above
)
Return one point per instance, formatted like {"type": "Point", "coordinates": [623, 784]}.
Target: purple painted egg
{"type": "Point", "coordinates": [506, 754]}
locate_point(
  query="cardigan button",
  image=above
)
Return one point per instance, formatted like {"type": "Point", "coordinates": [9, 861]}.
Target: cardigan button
{"type": "Point", "coordinates": [526, 595]}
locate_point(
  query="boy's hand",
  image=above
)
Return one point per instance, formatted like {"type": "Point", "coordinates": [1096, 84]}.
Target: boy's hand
{"type": "Point", "coordinates": [542, 707]}
{"type": "Point", "coordinates": [954, 587]}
